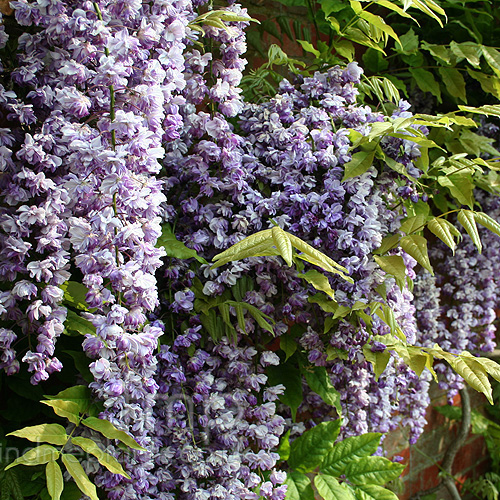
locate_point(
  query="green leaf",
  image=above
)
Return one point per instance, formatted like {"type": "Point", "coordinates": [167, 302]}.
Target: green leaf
{"type": "Point", "coordinates": [318, 281]}
{"type": "Point", "coordinates": [395, 8]}
{"type": "Point", "coordinates": [43, 433]}
{"type": "Point", "coordinates": [476, 144]}
{"type": "Point", "coordinates": [309, 450]}
{"type": "Point", "coordinates": [440, 52]}
{"type": "Point", "coordinates": [79, 394]}
{"type": "Point", "coordinates": [467, 50]}
{"type": "Point", "coordinates": [284, 446]}
{"type": "Point", "coordinates": [36, 456]}
{"type": "Point", "coordinates": [75, 294]}
{"type": "Point", "coordinates": [460, 186]}
{"type": "Point", "coordinates": [108, 430]}
{"type": "Point", "coordinates": [289, 375]}
{"type": "Point", "coordinates": [78, 324]}
{"type": "Point", "coordinates": [66, 409]}
{"type": "Point", "coordinates": [374, 492]}
{"type": "Point", "coordinates": [319, 381]}
{"type": "Point", "coordinates": [299, 486]}
{"type": "Point", "coordinates": [373, 470]}
{"type": "Point", "coordinates": [468, 221]}
{"type": "Point", "coordinates": [492, 367]}
{"type": "Point", "coordinates": [492, 57]}
{"type": "Point", "coordinates": [488, 110]}
{"type": "Point", "coordinates": [378, 359]}
{"type": "Point", "coordinates": [76, 471]}
{"type": "Point", "coordinates": [176, 248]}
{"type": "Point", "coordinates": [345, 49]}
{"type": "Point", "coordinates": [288, 346]}
{"type": "Point", "coordinates": [427, 7]}
{"type": "Point", "coordinates": [413, 224]}
{"type": "Point", "coordinates": [283, 244]}
{"type": "Point", "coordinates": [379, 23]}
{"type": "Point", "coordinates": [330, 489]}
{"type": "Point", "coordinates": [263, 320]}
{"type": "Point", "coordinates": [416, 246]}
{"type": "Point", "coordinates": [488, 222]}
{"type": "Point", "coordinates": [359, 164]}
{"type": "Point", "coordinates": [388, 243]}
{"type": "Point", "coordinates": [426, 82]}
{"type": "Point", "coordinates": [393, 264]}
{"type": "Point", "coordinates": [350, 450]}
{"type": "Point", "coordinates": [318, 258]}
{"type": "Point", "coordinates": [309, 47]}
{"type": "Point", "coordinates": [408, 43]}
{"type": "Point", "coordinates": [473, 373]}
{"type": "Point", "coordinates": [445, 231]}
{"type": "Point", "coordinates": [454, 82]}
{"type": "Point", "coordinates": [105, 459]}
{"type": "Point", "coordinates": [489, 83]}
{"type": "Point", "coordinates": [55, 482]}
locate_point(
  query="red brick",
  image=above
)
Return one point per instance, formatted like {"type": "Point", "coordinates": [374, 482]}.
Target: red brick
{"type": "Point", "coordinates": [473, 452]}
{"type": "Point", "coordinates": [430, 477]}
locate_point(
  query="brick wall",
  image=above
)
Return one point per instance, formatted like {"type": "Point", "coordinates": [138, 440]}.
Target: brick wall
{"type": "Point", "coordinates": [422, 459]}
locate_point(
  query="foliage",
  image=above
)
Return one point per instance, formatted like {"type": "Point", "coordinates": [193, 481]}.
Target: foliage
{"type": "Point", "coordinates": [73, 404]}
{"type": "Point", "coordinates": [346, 468]}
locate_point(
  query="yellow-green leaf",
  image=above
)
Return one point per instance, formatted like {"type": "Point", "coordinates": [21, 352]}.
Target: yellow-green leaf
{"type": "Point", "coordinates": [359, 164]}
{"type": "Point", "coordinates": [108, 430]}
{"type": "Point", "coordinates": [330, 489]}
{"type": "Point", "coordinates": [318, 281]}
{"type": "Point", "coordinates": [445, 231]}
{"type": "Point", "coordinates": [66, 409]}
{"type": "Point", "coordinates": [474, 374]}
{"type": "Point", "coordinates": [488, 110]}
{"type": "Point", "coordinates": [467, 50]}
{"type": "Point", "coordinates": [378, 359]}
{"type": "Point", "coordinates": [379, 23]}
{"type": "Point", "coordinates": [395, 8]}
{"type": "Point", "coordinates": [282, 243]}
{"type": "Point", "coordinates": [307, 249]}
{"type": "Point", "coordinates": [36, 456]}
{"type": "Point", "coordinates": [492, 367]}
{"type": "Point", "coordinates": [413, 224]}
{"type": "Point", "coordinates": [76, 471]}
{"type": "Point", "coordinates": [55, 482]}
{"type": "Point", "coordinates": [43, 433]}
{"type": "Point", "coordinates": [104, 458]}
{"type": "Point", "coordinates": [392, 264]}
{"type": "Point", "coordinates": [250, 241]}
{"type": "Point", "coordinates": [388, 243]}
{"type": "Point", "coordinates": [468, 221]}
{"type": "Point", "coordinates": [416, 246]}
{"type": "Point", "coordinates": [492, 57]}
{"type": "Point", "coordinates": [488, 222]}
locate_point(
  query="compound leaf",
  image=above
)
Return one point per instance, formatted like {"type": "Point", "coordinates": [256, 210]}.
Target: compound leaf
{"type": "Point", "coordinates": [36, 456]}
{"type": "Point", "coordinates": [76, 471]}
{"type": "Point", "coordinates": [310, 449]}
{"type": "Point", "coordinates": [350, 450]}
{"type": "Point", "coordinates": [330, 489]}
{"type": "Point", "coordinates": [55, 482]}
{"type": "Point", "coordinates": [104, 458]}
{"type": "Point", "coordinates": [107, 429]}
{"type": "Point", "coordinates": [43, 433]}
{"type": "Point", "coordinates": [468, 221]}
